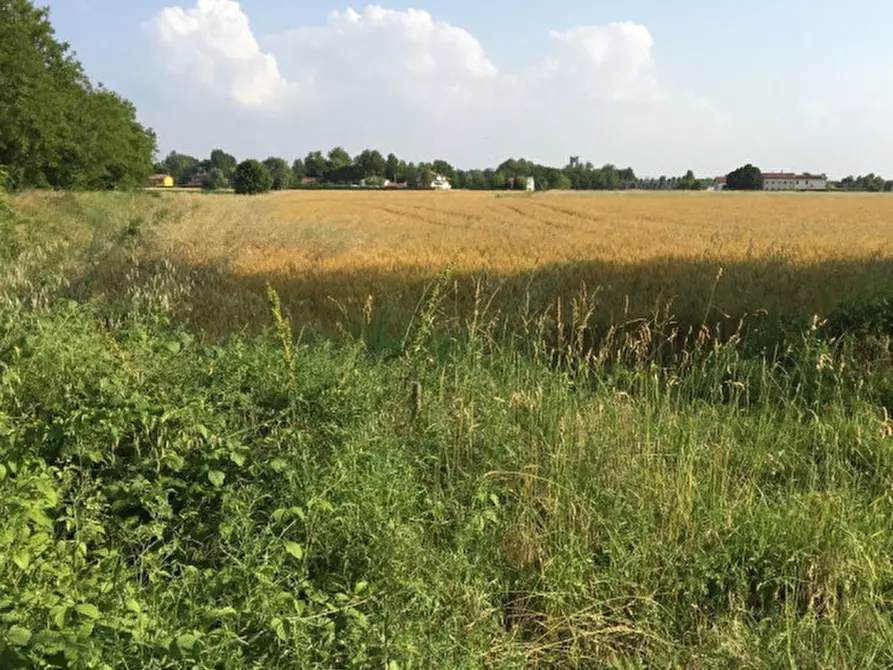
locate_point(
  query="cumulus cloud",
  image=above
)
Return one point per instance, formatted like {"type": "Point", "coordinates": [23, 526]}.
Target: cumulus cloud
{"type": "Point", "coordinates": [213, 43]}
{"type": "Point", "coordinates": [404, 80]}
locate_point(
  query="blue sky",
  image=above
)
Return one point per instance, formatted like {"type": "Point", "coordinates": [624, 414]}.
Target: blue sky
{"type": "Point", "coordinates": [660, 86]}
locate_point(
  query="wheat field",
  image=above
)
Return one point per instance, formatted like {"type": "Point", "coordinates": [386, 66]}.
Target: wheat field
{"type": "Point", "coordinates": [332, 254]}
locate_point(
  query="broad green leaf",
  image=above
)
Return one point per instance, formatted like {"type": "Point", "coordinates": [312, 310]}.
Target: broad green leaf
{"type": "Point", "coordinates": [2, 472]}
{"type": "Point", "coordinates": [58, 613]}
{"type": "Point", "coordinates": [186, 641]}
{"type": "Point", "coordinates": [174, 347]}
{"type": "Point", "coordinates": [39, 517]}
{"type": "Point", "coordinates": [18, 636]}
{"type": "Point", "coordinates": [88, 610]}
{"type": "Point", "coordinates": [237, 458]}
{"type": "Point", "coordinates": [203, 431]}
{"type": "Point", "coordinates": [277, 625]}
{"type": "Point", "coordinates": [22, 559]}
{"type": "Point", "coordinates": [295, 549]}
{"type": "Point", "coordinates": [134, 606]}
{"type": "Point", "coordinates": [216, 477]}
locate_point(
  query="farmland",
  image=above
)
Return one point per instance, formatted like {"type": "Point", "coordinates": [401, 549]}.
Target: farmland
{"type": "Point", "coordinates": [464, 430]}
{"type": "Point", "coordinates": [695, 255]}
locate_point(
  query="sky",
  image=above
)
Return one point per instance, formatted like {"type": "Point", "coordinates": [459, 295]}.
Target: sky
{"type": "Point", "coordinates": [659, 86]}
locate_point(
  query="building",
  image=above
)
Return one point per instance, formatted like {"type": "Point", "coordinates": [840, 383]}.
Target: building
{"type": "Point", "coordinates": [440, 183]}
{"type": "Point", "coordinates": [531, 184]}
{"type": "Point", "coordinates": [719, 184]}
{"type": "Point", "coordinates": [791, 181]}
{"type": "Point", "coordinates": [196, 180]}
{"type": "Point", "coordinates": [164, 180]}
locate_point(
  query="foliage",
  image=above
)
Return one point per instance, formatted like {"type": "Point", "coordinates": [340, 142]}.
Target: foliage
{"type": "Point", "coordinates": [283, 177]}
{"type": "Point", "coordinates": [497, 488]}
{"type": "Point", "coordinates": [224, 162]}
{"type": "Point", "coordinates": [252, 177]}
{"type": "Point", "coordinates": [745, 178]}
{"type": "Point", "coordinates": [215, 179]}
{"type": "Point", "coordinates": [870, 182]}
{"type": "Point", "coordinates": [298, 170]}
{"type": "Point", "coordinates": [56, 128]}
{"type": "Point", "coordinates": [689, 182]}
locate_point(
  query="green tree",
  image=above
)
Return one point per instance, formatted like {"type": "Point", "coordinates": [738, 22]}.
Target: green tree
{"type": "Point", "coordinates": [283, 177]}
{"type": "Point", "coordinates": [560, 182]}
{"type": "Point", "coordinates": [214, 180]}
{"type": "Point", "coordinates": [223, 161]}
{"type": "Point", "coordinates": [392, 165]}
{"type": "Point", "coordinates": [370, 163]}
{"type": "Point", "coordinates": [252, 177]}
{"type": "Point", "coordinates": [689, 182]}
{"type": "Point", "coordinates": [180, 166]}
{"type": "Point", "coordinates": [298, 170]}
{"type": "Point", "coordinates": [338, 159]}
{"type": "Point", "coordinates": [56, 128]}
{"type": "Point", "coordinates": [316, 165]}
{"type": "Point", "coordinates": [745, 178]}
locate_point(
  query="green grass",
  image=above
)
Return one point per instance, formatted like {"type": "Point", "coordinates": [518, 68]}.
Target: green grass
{"type": "Point", "coordinates": [466, 499]}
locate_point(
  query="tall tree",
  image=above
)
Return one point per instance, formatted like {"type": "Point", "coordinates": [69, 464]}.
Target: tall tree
{"type": "Point", "coordinates": [316, 165]}
{"type": "Point", "coordinates": [338, 159]}
{"type": "Point", "coordinates": [745, 178]}
{"type": "Point", "coordinates": [371, 163]}
{"type": "Point", "coordinates": [298, 170]}
{"type": "Point", "coordinates": [283, 177]}
{"type": "Point", "coordinates": [392, 165]}
{"type": "Point", "coordinates": [181, 167]}
{"type": "Point", "coordinates": [224, 162]}
{"type": "Point", "coordinates": [56, 128]}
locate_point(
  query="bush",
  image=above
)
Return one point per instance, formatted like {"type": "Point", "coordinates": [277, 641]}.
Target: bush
{"type": "Point", "coordinates": [214, 180]}
{"type": "Point", "coordinates": [252, 177]}
{"type": "Point", "coordinates": [746, 178]}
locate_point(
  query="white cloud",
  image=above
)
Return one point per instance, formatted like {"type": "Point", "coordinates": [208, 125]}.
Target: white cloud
{"type": "Point", "coordinates": [213, 43]}
{"type": "Point", "coordinates": [404, 81]}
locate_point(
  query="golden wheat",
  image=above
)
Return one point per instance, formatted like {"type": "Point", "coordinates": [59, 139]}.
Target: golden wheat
{"type": "Point", "coordinates": [327, 252]}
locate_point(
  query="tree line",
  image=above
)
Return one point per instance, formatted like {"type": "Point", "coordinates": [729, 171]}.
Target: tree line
{"type": "Point", "coordinates": [57, 128]}
{"type": "Point", "coordinates": [372, 168]}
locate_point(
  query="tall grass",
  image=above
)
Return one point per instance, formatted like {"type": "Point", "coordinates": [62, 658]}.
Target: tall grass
{"type": "Point", "coordinates": [492, 488]}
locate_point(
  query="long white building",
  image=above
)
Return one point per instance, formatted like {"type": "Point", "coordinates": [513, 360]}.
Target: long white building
{"type": "Point", "coordinates": [791, 181]}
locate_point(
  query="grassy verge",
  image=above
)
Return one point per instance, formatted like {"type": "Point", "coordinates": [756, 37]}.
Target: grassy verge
{"type": "Point", "coordinates": [487, 492]}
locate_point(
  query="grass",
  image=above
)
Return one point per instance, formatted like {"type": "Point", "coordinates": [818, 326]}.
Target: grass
{"type": "Point", "coordinates": [486, 487]}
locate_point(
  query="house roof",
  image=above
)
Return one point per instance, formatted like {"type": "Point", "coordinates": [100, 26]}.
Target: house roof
{"type": "Point", "coordinates": [791, 175]}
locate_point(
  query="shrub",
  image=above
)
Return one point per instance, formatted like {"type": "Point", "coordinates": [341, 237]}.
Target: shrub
{"type": "Point", "coordinates": [214, 180]}
{"type": "Point", "coordinates": [252, 177]}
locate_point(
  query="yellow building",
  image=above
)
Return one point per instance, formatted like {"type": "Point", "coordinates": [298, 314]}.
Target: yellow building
{"type": "Point", "coordinates": [162, 180]}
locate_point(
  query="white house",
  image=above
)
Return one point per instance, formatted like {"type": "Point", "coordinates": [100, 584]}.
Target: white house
{"type": "Point", "coordinates": [440, 183]}
{"type": "Point", "coordinates": [790, 181]}
{"type": "Point", "coordinates": [531, 184]}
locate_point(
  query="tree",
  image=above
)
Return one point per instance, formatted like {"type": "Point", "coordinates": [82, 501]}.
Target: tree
{"type": "Point", "coordinates": [689, 182]}
{"type": "Point", "coordinates": [392, 165]}
{"type": "Point", "coordinates": [338, 159]}
{"type": "Point", "coordinates": [298, 170]}
{"type": "Point", "coordinates": [214, 179]}
{"type": "Point", "coordinates": [180, 166]}
{"type": "Point", "coordinates": [56, 128]}
{"type": "Point", "coordinates": [283, 177]}
{"type": "Point", "coordinates": [252, 177]}
{"type": "Point", "coordinates": [224, 162]}
{"type": "Point", "coordinates": [370, 163]}
{"type": "Point", "coordinates": [316, 165]}
{"type": "Point", "coordinates": [746, 178]}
